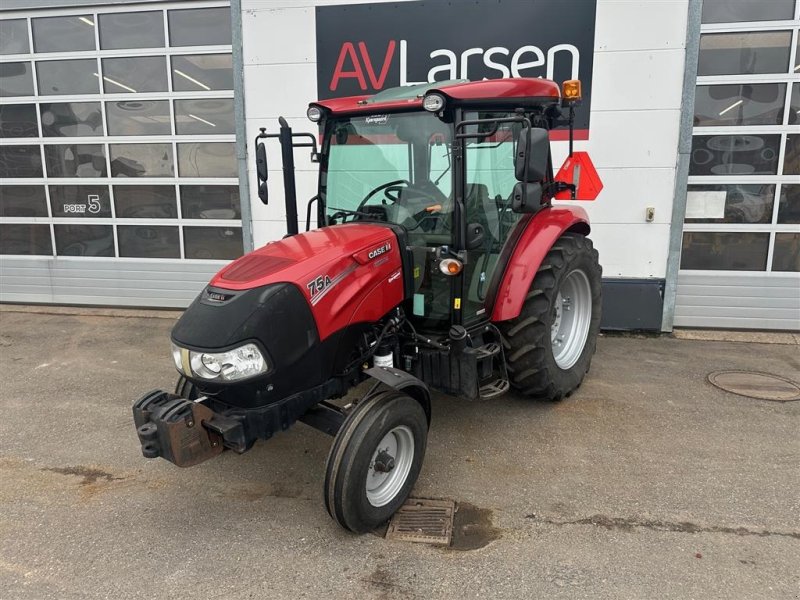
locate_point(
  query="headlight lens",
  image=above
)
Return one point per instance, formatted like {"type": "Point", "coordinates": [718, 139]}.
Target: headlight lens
{"type": "Point", "coordinates": [433, 102]}
{"type": "Point", "coordinates": [176, 357]}
{"type": "Point", "coordinates": [240, 363]}
{"type": "Point", "coordinates": [314, 113]}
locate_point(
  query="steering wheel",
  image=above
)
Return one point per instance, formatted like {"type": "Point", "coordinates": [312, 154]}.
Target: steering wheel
{"type": "Point", "coordinates": [390, 186]}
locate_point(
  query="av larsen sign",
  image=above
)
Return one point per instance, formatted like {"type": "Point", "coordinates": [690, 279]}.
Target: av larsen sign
{"type": "Point", "coordinates": [364, 48]}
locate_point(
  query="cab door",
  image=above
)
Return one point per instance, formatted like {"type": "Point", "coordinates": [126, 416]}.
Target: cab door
{"type": "Point", "coordinates": [488, 184]}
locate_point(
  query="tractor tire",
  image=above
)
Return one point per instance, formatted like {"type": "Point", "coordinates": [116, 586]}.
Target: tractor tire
{"type": "Point", "coordinates": [549, 346]}
{"type": "Point", "coordinates": [375, 460]}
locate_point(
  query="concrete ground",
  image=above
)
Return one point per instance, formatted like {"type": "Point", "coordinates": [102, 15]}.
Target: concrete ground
{"type": "Point", "coordinates": [648, 483]}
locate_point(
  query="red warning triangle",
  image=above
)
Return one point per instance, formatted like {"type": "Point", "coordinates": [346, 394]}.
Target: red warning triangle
{"type": "Point", "coordinates": [579, 170]}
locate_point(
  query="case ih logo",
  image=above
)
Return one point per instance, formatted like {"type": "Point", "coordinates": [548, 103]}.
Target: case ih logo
{"type": "Point", "coordinates": [380, 250]}
{"type": "Point", "coordinates": [364, 48]}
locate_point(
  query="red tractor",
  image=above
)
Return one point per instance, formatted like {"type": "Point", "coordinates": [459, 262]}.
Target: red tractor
{"type": "Point", "coordinates": [439, 263]}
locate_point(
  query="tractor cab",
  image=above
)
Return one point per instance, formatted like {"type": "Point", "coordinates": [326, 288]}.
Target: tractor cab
{"type": "Point", "coordinates": [460, 166]}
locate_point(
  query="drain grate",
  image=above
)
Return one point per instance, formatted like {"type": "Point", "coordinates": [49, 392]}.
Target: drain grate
{"type": "Point", "coordinates": [761, 386]}
{"type": "Point", "coordinates": [423, 520]}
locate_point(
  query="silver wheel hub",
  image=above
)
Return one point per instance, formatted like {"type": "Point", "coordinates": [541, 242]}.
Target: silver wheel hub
{"type": "Point", "coordinates": [571, 319]}
{"type": "Point", "coordinates": [390, 465]}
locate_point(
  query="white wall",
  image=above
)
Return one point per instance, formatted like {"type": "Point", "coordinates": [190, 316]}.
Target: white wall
{"type": "Point", "coordinates": [636, 101]}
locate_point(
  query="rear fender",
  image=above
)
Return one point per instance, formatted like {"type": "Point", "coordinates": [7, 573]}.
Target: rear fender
{"type": "Point", "coordinates": [542, 231]}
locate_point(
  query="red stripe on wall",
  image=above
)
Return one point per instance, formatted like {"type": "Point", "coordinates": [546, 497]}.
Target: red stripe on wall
{"type": "Point", "coordinates": [562, 135]}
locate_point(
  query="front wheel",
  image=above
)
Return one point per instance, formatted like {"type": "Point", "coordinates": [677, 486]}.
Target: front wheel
{"type": "Point", "coordinates": [375, 460]}
{"type": "Point", "coordinates": [549, 346]}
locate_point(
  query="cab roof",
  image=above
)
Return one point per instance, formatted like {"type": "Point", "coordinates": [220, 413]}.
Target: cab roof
{"type": "Point", "coordinates": [500, 92]}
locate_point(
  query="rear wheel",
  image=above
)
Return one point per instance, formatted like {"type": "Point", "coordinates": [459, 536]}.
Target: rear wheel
{"type": "Point", "coordinates": [375, 460]}
{"type": "Point", "coordinates": [549, 346]}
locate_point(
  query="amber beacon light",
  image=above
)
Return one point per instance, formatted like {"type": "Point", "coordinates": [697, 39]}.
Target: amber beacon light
{"type": "Point", "coordinates": [571, 90]}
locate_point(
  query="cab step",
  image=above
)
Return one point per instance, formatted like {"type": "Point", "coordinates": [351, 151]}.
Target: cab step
{"type": "Point", "coordinates": [489, 350]}
{"type": "Point", "coordinates": [496, 388]}
{"type": "Point", "coordinates": [492, 371]}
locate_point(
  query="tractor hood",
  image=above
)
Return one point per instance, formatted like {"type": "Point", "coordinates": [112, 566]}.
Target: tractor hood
{"type": "Point", "coordinates": [304, 257]}
{"type": "Point", "coordinates": [297, 298]}
{"type": "Point", "coordinates": [342, 274]}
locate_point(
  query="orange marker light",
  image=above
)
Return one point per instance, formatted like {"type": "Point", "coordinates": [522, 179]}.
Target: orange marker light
{"type": "Point", "coordinates": [571, 90]}
{"type": "Point", "coordinates": [450, 266]}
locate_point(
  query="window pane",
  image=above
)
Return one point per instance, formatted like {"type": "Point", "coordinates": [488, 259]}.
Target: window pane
{"type": "Point", "coordinates": [148, 241]}
{"type": "Point", "coordinates": [138, 117]}
{"type": "Point", "coordinates": [131, 75]}
{"type": "Point", "coordinates": [789, 204]}
{"type": "Point", "coordinates": [791, 159]}
{"type": "Point", "coordinates": [82, 201]}
{"type": "Point", "coordinates": [739, 11]}
{"type": "Point", "coordinates": [200, 27]}
{"type": "Point", "coordinates": [58, 77]}
{"type": "Point", "coordinates": [200, 72]}
{"type": "Point", "coordinates": [210, 202]}
{"type": "Point", "coordinates": [16, 79]}
{"type": "Point", "coordinates": [75, 160]}
{"type": "Point", "coordinates": [735, 155]}
{"type": "Point", "coordinates": [20, 161]}
{"type": "Point", "coordinates": [145, 202]}
{"type": "Point", "coordinates": [204, 117]}
{"type": "Point", "coordinates": [84, 240]}
{"type": "Point", "coordinates": [739, 104]}
{"type": "Point", "coordinates": [207, 159]}
{"type": "Point", "coordinates": [730, 203]}
{"type": "Point", "coordinates": [141, 160]}
{"type": "Point", "coordinates": [724, 251]}
{"type": "Point", "coordinates": [132, 30]}
{"type": "Point", "coordinates": [18, 120]}
{"type": "Point", "coordinates": [786, 256]}
{"type": "Point", "coordinates": [25, 239]}
{"type": "Point", "coordinates": [212, 242]}
{"type": "Point", "coordinates": [796, 55]}
{"type": "Point", "coordinates": [14, 37]}
{"type": "Point", "coordinates": [794, 101]}
{"type": "Point", "coordinates": [744, 53]}
{"type": "Point", "coordinates": [71, 119]}
{"type": "Point", "coordinates": [22, 201]}
{"type": "Point", "coordinates": [63, 34]}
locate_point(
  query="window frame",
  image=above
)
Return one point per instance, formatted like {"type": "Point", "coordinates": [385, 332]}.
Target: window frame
{"type": "Point", "coordinates": [791, 79]}
{"type": "Point", "coordinates": [176, 181]}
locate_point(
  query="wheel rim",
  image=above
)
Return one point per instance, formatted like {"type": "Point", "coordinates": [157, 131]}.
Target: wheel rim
{"type": "Point", "coordinates": [573, 315]}
{"type": "Point", "coordinates": [384, 481]}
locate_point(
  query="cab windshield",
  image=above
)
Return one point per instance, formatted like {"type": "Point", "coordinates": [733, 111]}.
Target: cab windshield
{"type": "Point", "coordinates": [390, 167]}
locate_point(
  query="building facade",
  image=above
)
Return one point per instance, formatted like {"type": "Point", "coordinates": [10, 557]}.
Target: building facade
{"type": "Point", "coordinates": [126, 137]}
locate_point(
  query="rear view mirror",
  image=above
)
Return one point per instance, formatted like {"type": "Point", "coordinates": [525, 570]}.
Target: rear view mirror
{"type": "Point", "coordinates": [263, 192]}
{"type": "Point", "coordinates": [526, 197]}
{"type": "Point", "coordinates": [535, 157]}
{"type": "Point", "coordinates": [262, 172]}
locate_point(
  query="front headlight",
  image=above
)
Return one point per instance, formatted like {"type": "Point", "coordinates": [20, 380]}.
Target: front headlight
{"type": "Point", "coordinates": [240, 363]}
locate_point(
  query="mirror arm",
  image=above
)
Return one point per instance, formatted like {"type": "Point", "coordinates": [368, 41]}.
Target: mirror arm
{"type": "Point", "coordinates": [308, 212]}
{"type": "Point", "coordinates": [571, 127]}
{"type": "Point", "coordinates": [310, 144]}
{"type": "Point", "coordinates": [556, 187]}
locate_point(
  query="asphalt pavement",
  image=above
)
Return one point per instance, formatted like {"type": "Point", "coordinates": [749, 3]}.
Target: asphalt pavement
{"type": "Point", "coordinates": [647, 483]}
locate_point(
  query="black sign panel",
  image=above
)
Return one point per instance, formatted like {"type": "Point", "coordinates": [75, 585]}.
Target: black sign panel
{"type": "Point", "coordinates": [365, 48]}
